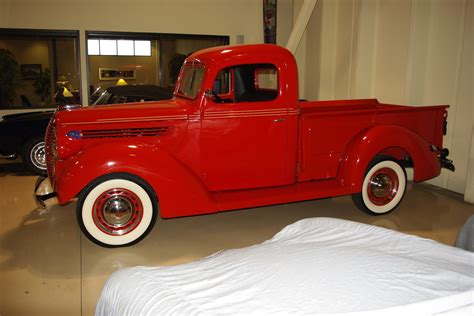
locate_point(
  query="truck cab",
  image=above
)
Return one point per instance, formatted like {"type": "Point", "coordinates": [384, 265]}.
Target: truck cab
{"type": "Point", "coordinates": [234, 135]}
{"type": "Point", "coordinates": [248, 116]}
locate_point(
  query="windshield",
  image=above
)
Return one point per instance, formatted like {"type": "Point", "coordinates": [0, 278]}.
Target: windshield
{"type": "Point", "coordinates": [103, 98]}
{"type": "Point", "coordinates": [191, 81]}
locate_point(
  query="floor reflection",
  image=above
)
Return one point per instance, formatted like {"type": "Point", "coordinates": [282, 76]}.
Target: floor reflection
{"type": "Point", "coordinates": [45, 242]}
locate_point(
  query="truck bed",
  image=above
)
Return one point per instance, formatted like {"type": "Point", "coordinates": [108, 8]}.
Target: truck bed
{"type": "Point", "coordinates": [341, 121]}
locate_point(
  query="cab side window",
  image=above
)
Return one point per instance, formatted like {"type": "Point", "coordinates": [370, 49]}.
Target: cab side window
{"type": "Point", "coordinates": [222, 82]}
{"type": "Point", "coordinates": [247, 83]}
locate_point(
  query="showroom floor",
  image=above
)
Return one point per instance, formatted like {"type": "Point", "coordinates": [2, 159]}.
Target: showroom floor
{"type": "Point", "coordinates": [48, 267]}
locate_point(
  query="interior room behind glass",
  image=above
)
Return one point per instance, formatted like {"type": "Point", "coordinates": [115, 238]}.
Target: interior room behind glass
{"type": "Point", "coordinates": [38, 71]}
{"type": "Point", "coordinates": [115, 61]}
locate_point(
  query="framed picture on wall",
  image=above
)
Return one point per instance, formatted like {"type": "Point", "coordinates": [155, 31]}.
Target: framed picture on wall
{"type": "Point", "coordinates": [116, 73]}
{"type": "Point", "coordinates": [30, 71]}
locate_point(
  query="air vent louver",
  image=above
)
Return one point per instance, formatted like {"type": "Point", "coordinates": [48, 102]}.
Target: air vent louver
{"type": "Point", "coordinates": [126, 132]}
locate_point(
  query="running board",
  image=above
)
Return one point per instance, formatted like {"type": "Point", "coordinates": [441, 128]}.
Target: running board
{"type": "Point", "coordinates": [309, 190]}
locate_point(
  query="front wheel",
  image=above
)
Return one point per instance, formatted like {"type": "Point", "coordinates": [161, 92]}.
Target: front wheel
{"type": "Point", "coordinates": [34, 156]}
{"type": "Point", "coordinates": [117, 210]}
{"type": "Point", "coordinates": [383, 187]}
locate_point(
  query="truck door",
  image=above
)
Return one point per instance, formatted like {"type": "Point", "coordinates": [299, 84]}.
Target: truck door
{"type": "Point", "coordinates": [244, 134]}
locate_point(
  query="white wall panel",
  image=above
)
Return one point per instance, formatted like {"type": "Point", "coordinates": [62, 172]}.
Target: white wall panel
{"type": "Point", "coordinates": [462, 124]}
{"type": "Point", "coordinates": [416, 52]}
{"type": "Point", "coordinates": [391, 50]}
{"type": "Point", "coordinates": [364, 69]}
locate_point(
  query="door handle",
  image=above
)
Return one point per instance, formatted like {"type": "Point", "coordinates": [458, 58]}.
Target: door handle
{"type": "Point", "coordinates": [279, 120]}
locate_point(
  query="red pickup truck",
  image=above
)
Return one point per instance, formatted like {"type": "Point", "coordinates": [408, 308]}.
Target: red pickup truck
{"type": "Point", "coordinates": [234, 136]}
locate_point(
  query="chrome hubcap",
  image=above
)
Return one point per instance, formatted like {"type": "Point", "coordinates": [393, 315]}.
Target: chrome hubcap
{"type": "Point", "coordinates": [117, 212]}
{"type": "Point", "coordinates": [38, 156]}
{"type": "Point", "coordinates": [383, 186]}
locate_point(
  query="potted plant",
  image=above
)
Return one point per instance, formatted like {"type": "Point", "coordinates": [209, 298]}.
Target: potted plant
{"type": "Point", "coordinates": [42, 86]}
{"type": "Point", "coordinates": [10, 77]}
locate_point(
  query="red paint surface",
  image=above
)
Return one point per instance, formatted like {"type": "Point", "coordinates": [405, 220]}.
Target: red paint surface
{"type": "Point", "coordinates": [221, 156]}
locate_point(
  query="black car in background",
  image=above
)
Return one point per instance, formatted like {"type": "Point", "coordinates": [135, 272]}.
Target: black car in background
{"type": "Point", "coordinates": [23, 134]}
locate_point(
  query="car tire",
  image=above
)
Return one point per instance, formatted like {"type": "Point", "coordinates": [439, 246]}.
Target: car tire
{"type": "Point", "coordinates": [34, 155]}
{"type": "Point", "coordinates": [117, 210]}
{"type": "Point", "coordinates": [383, 187]}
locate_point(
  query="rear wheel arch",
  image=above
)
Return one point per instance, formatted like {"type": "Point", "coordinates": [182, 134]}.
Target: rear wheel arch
{"type": "Point", "coordinates": [395, 142]}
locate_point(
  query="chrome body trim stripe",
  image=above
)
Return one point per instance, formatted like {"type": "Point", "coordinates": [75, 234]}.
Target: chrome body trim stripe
{"type": "Point", "coordinates": [208, 115]}
{"type": "Point", "coordinates": [250, 113]}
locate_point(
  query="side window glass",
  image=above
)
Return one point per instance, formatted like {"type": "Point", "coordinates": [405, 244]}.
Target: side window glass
{"type": "Point", "coordinates": [247, 83]}
{"type": "Point", "coordinates": [222, 82]}
{"type": "Point", "coordinates": [255, 83]}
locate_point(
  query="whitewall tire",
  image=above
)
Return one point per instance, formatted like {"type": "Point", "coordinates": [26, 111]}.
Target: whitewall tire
{"type": "Point", "coordinates": [117, 210]}
{"type": "Point", "coordinates": [383, 187]}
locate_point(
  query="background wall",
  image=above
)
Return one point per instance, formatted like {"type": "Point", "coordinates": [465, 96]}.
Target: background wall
{"type": "Point", "coordinates": [416, 52]}
{"type": "Point", "coordinates": [223, 17]}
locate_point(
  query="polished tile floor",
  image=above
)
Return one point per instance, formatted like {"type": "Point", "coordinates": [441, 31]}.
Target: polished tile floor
{"type": "Point", "coordinates": [47, 267]}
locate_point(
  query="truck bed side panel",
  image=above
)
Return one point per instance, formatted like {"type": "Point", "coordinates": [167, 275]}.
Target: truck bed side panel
{"type": "Point", "coordinates": [323, 140]}
{"type": "Point", "coordinates": [327, 128]}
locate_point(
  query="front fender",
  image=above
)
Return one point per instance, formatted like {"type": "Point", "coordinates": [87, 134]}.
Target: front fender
{"type": "Point", "coordinates": [367, 144]}
{"type": "Point", "coordinates": [179, 190]}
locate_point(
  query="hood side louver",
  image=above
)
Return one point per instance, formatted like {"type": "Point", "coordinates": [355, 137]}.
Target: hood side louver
{"type": "Point", "coordinates": [126, 132]}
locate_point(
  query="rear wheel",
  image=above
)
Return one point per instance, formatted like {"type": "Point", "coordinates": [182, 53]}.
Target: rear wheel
{"type": "Point", "coordinates": [34, 156]}
{"type": "Point", "coordinates": [383, 187]}
{"type": "Point", "coordinates": [117, 210]}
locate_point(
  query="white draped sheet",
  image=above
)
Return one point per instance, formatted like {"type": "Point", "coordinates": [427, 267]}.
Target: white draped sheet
{"type": "Point", "coordinates": [314, 266]}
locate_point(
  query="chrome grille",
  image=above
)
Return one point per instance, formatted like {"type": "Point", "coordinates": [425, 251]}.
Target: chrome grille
{"type": "Point", "coordinates": [51, 152]}
{"type": "Point", "coordinates": [126, 132]}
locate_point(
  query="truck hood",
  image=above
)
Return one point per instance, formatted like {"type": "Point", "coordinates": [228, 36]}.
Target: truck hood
{"type": "Point", "coordinates": [129, 112]}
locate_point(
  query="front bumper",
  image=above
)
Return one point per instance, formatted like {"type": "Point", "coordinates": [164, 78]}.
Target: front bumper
{"type": "Point", "coordinates": [44, 192]}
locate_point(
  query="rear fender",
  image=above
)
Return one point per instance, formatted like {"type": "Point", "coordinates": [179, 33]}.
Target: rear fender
{"type": "Point", "coordinates": [179, 190]}
{"type": "Point", "coordinates": [367, 144]}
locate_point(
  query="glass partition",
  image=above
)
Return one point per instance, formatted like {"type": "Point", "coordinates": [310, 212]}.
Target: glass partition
{"type": "Point", "coordinates": [39, 69]}
{"type": "Point", "coordinates": [140, 59]}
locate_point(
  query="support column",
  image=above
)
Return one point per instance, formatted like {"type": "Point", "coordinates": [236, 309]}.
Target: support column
{"type": "Point", "coordinates": [300, 25]}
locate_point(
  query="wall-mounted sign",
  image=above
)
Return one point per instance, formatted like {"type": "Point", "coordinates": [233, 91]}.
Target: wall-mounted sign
{"type": "Point", "coordinates": [30, 71]}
